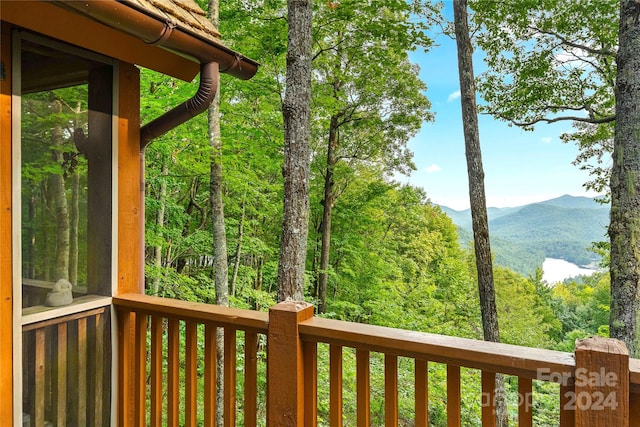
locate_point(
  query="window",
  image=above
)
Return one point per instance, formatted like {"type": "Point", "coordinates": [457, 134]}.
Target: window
{"type": "Point", "coordinates": [62, 115]}
{"type": "Point", "coordinates": [66, 174]}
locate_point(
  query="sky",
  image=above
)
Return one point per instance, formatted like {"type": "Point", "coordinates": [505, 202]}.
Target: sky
{"type": "Point", "coordinates": [520, 166]}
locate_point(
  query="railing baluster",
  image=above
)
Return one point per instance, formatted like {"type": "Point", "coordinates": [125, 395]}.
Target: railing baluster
{"type": "Point", "coordinates": [210, 354]}
{"type": "Point", "coordinates": [125, 353]}
{"type": "Point", "coordinates": [229, 377]}
{"type": "Point", "coordinates": [335, 385]}
{"type": "Point", "coordinates": [156, 371]}
{"type": "Point", "coordinates": [60, 392]}
{"type": "Point", "coordinates": [453, 396]}
{"type": "Point", "coordinates": [173, 369]}
{"type": "Point", "coordinates": [488, 399]}
{"type": "Point", "coordinates": [250, 379]}
{"type": "Point", "coordinates": [141, 368]}
{"type": "Point", "coordinates": [310, 384]}
{"type": "Point", "coordinates": [422, 393]}
{"type": "Point", "coordinates": [391, 390]}
{"type": "Point", "coordinates": [567, 408]}
{"type": "Point", "coordinates": [363, 374]}
{"type": "Point", "coordinates": [191, 374]}
{"type": "Point", "coordinates": [98, 368]}
{"type": "Point", "coordinates": [82, 371]}
{"type": "Point", "coordinates": [525, 402]}
{"type": "Point", "coordinates": [38, 401]}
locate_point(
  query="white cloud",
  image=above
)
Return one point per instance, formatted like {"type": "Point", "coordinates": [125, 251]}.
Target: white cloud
{"type": "Point", "coordinates": [547, 139]}
{"type": "Point", "coordinates": [453, 96]}
{"type": "Point", "coordinates": [433, 168]}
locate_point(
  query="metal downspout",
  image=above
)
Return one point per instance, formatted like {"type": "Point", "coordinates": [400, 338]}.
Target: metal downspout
{"type": "Point", "coordinates": [198, 103]}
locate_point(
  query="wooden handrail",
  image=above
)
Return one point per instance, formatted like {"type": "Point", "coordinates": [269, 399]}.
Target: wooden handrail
{"type": "Point", "coordinates": [246, 320]}
{"type": "Point", "coordinates": [487, 356]}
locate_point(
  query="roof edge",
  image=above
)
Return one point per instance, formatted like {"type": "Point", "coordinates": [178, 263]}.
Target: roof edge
{"type": "Point", "coordinates": [153, 29]}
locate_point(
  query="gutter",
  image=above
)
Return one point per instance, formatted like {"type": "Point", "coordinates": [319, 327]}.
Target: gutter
{"type": "Point", "coordinates": [155, 29]}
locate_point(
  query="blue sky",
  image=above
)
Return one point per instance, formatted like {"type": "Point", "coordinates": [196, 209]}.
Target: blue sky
{"type": "Point", "coordinates": [520, 166]}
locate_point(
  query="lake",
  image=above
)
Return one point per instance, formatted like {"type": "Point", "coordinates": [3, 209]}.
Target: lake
{"type": "Point", "coordinates": [557, 270]}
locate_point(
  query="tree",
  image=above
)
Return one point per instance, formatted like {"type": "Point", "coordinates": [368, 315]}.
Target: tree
{"type": "Point", "coordinates": [550, 62]}
{"type": "Point", "coordinates": [480, 222]}
{"type": "Point", "coordinates": [624, 227]}
{"type": "Point", "coordinates": [368, 99]}
{"type": "Point", "coordinates": [296, 111]}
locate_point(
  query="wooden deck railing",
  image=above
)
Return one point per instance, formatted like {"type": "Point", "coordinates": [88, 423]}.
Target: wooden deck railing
{"type": "Point", "coordinates": [599, 384]}
{"type": "Point", "coordinates": [66, 370]}
{"type": "Point", "coordinates": [181, 326]}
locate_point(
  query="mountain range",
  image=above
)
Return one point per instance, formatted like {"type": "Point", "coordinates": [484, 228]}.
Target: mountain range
{"type": "Point", "coordinates": [522, 237]}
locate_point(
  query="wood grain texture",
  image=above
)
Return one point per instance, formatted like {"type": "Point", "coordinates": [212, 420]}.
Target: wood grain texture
{"type": "Point", "coordinates": [335, 386]}
{"type": "Point", "coordinates": [130, 212]}
{"type": "Point", "coordinates": [250, 379]}
{"type": "Point", "coordinates": [6, 259]}
{"type": "Point", "coordinates": [229, 377]}
{"type": "Point", "coordinates": [391, 390]}
{"type": "Point", "coordinates": [285, 364]}
{"type": "Point", "coordinates": [422, 393]}
{"type": "Point", "coordinates": [191, 374]}
{"type": "Point", "coordinates": [156, 371]}
{"type": "Point", "coordinates": [453, 396]}
{"type": "Point", "coordinates": [210, 354]}
{"type": "Point", "coordinates": [494, 357]}
{"type": "Point", "coordinates": [525, 402]}
{"type": "Point", "coordinates": [363, 386]}
{"type": "Point", "coordinates": [173, 371]}
{"type": "Point", "coordinates": [601, 383]}
{"type": "Point", "coordinates": [488, 399]}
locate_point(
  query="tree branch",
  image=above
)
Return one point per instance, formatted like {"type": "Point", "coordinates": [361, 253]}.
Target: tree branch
{"type": "Point", "coordinates": [604, 52]}
{"type": "Point", "coordinates": [607, 119]}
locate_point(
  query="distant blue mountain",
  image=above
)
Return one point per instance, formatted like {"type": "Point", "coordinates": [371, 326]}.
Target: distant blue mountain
{"type": "Point", "coordinates": [521, 237]}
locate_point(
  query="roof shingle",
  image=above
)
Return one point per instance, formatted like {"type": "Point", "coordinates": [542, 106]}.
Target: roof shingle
{"type": "Point", "coordinates": [186, 13]}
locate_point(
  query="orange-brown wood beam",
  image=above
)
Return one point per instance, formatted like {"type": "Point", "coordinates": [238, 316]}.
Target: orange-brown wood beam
{"type": "Point", "coordinates": [601, 383]}
{"type": "Point", "coordinates": [285, 364]}
{"type": "Point", "coordinates": [6, 260]}
{"type": "Point", "coordinates": [130, 212]}
{"type": "Point", "coordinates": [47, 18]}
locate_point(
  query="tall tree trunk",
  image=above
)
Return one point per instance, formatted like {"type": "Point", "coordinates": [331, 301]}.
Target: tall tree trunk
{"type": "Point", "coordinates": [236, 262]}
{"type": "Point", "coordinates": [61, 269]}
{"type": "Point", "coordinates": [157, 250]}
{"type": "Point", "coordinates": [624, 228]}
{"type": "Point", "coordinates": [220, 262]}
{"type": "Point", "coordinates": [325, 227]}
{"type": "Point", "coordinates": [296, 111]}
{"type": "Point", "coordinates": [477, 197]}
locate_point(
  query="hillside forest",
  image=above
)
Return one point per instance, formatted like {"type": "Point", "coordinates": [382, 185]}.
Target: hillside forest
{"type": "Point", "coordinates": [378, 251]}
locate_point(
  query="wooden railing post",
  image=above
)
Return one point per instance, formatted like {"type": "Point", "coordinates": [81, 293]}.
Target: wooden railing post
{"type": "Point", "coordinates": [601, 383]}
{"type": "Point", "coordinates": [285, 364]}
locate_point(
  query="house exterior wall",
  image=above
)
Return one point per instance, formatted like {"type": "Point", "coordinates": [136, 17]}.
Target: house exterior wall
{"type": "Point", "coordinates": [128, 209]}
{"type": "Point", "coordinates": [6, 295]}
